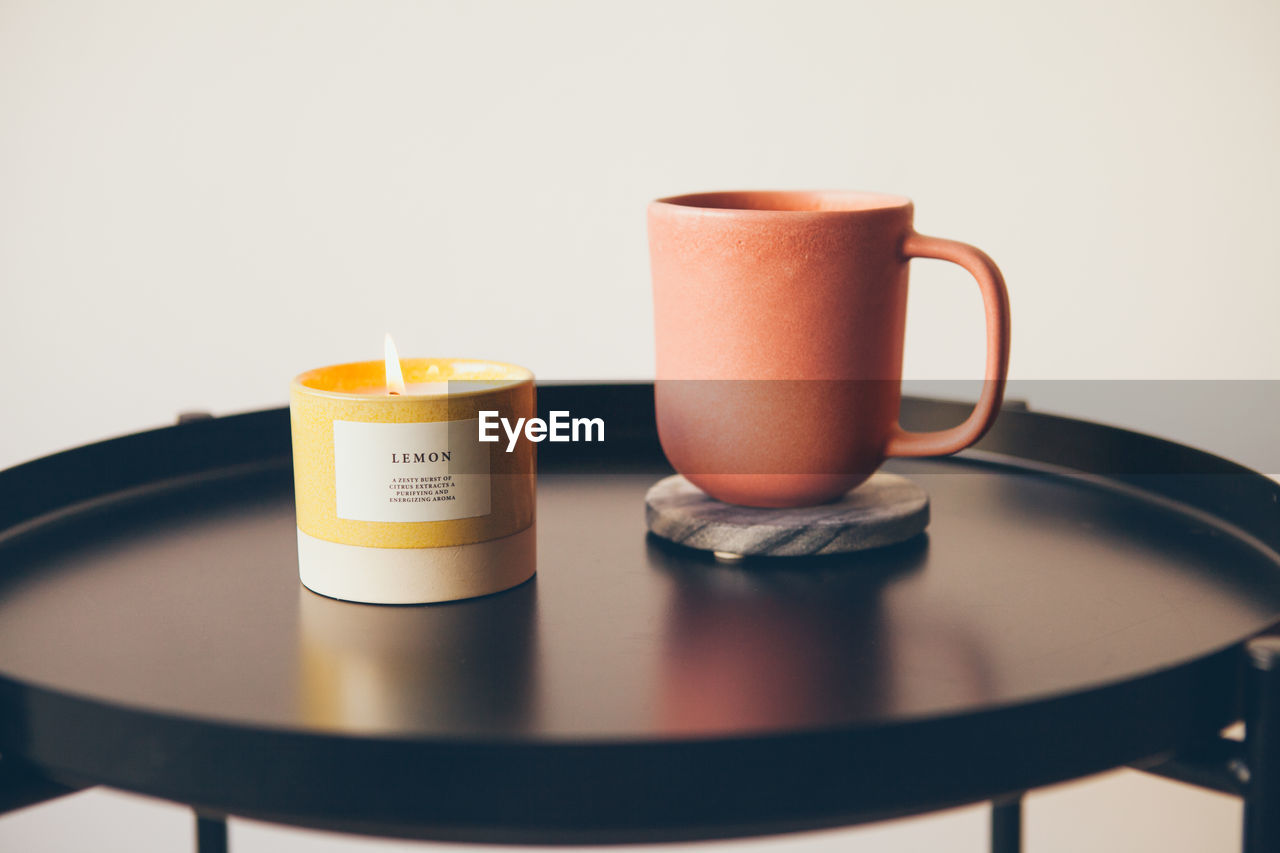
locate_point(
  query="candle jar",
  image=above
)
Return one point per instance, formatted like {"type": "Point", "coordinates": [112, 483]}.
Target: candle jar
{"type": "Point", "coordinates": [398, 501]}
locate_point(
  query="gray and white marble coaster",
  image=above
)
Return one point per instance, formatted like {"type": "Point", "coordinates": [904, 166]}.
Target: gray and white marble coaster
{"type": "Point", "coordinates": [884, 510]}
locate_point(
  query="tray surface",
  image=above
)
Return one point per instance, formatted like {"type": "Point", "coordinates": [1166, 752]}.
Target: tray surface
{"type": "Point", "coordinates": [173, 625]}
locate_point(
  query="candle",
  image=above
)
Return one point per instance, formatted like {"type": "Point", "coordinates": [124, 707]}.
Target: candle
{"type": "Point", "coordinates": [398, 501]}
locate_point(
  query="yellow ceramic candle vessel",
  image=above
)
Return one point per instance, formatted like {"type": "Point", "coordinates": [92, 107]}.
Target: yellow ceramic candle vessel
{"type": "Point", "coordinates": [398, 501]}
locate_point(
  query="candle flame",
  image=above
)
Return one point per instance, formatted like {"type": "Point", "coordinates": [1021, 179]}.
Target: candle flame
{"type": "Point", "coordinates": [395, 377]}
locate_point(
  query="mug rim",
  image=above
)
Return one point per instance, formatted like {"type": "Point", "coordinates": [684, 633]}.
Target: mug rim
{"type": "Point", "coordinates": [787, 202]}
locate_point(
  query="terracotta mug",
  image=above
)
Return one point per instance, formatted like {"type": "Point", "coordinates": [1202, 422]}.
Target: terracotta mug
{"type": "Point", "coordinates": [779, 319]}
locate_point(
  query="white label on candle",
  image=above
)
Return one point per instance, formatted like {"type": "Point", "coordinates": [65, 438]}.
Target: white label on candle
{"type": "Point", "coordinates": [410, 472]}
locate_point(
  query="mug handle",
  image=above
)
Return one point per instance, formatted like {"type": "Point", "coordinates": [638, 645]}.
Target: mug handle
{"type": "Point", "coordinates": [995, 301]}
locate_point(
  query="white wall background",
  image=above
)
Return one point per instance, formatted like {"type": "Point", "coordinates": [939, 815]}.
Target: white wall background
{"type": "Point", "coordinates": [199, 200]}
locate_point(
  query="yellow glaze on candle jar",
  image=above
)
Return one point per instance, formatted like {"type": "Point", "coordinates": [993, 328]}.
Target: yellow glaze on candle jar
{"type": "Point", "coordinates": [350, 395]}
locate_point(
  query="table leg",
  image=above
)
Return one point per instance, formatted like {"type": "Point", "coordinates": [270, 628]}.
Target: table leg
{"type": "Point", "coordinates": [1006, 824]}
{"type": "Point", "coordinates": [211, 834]}
{"type": "Point", "coordinates": [1262, 746]}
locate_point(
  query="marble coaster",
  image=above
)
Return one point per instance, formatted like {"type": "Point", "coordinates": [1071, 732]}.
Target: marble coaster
{"type": "Point", "coordinates": [884, 510]}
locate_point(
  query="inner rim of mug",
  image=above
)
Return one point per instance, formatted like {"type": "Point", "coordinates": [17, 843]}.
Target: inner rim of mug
{"type": "Point", "coordinates": [797, 201]}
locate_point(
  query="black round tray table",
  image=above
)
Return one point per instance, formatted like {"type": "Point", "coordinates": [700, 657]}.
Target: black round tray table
{"type": "Point", "coordinates": [1084, 598]}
